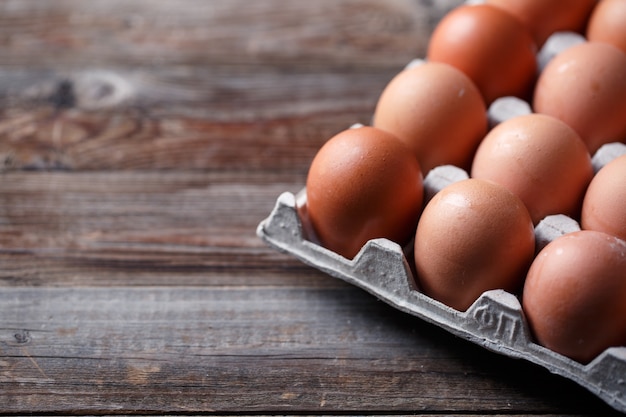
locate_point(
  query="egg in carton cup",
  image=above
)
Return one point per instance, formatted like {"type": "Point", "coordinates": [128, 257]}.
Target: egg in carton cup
{"type": "Point", "coordinates": [495, 320]}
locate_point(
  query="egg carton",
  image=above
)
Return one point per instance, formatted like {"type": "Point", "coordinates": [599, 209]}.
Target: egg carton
{"type": "Point", "coordinates": [495, 320]}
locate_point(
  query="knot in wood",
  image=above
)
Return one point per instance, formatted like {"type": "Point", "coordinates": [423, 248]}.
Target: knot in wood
{"type": "Point", "coordinates": [96, 90]}
{"type": "Point", "coordinates": [22, 337]}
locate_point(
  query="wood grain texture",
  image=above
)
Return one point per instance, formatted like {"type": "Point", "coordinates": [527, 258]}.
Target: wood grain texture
{"type": "Point", "coordinates": [229, 349]}
{"type": "Point", "coordinates": [140, 228]}
{"type": "Point", "coordinates": [276, 33]}
{"type": "Point", "coordinates": [203, 84]}
{"type": "Point", "coordinates": [68, 140]}
{"type": "Point", "coordinates": [141, 142]}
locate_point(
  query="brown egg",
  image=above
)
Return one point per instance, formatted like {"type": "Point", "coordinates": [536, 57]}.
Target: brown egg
{"type": "Point", "coordinates": [364, 183]}
{"type": "Point", "coordinates": [489, 45]}
{"type": "Point", "coordinates": [437, 111]}
{"type": "Point", "coordinates": [604, 206]}
{"type": "Point", "coordinates": [585, 86]}
{"type": "Point", "coordinates": [608, 23]}
{"type": "Point", "coordinates": [544, 17]}
{"type": "Point", "coordinates": [575, 294]}
{"type": "Point", "coordinates": [473, 236]}
{"type": "Point", "coordinates": [540, 159]}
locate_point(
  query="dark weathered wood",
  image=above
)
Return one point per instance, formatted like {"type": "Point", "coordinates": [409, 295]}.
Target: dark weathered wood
{"type": "Point", "coordinates": [45, 138]}
{"type": "Point", "coordinates": [141, 228]}
{"type": "Point", "coordinates": [203, 84]}
{"type": "Point", "coordinates": [74, 33]}
{"type": "Point", "coordinates": [274, 349]}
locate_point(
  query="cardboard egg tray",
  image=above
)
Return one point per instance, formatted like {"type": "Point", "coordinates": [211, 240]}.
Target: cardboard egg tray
{"type": "Point", "coordinates": [495, 320]}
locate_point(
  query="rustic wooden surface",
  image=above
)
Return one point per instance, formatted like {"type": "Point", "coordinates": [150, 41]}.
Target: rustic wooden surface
{"type": "Point", "coordinates": [141, 142]}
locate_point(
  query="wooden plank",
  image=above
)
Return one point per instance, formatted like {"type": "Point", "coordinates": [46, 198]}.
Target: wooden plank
{"type": "Point", "coordinates": [199, 85]}
{"type": "Point", "coordinates": [140, 228]}
{"type": "Point", "coordinates": [283, 134]}
{"type": "Point", "coordinates": [153, 33]}
{"type": "Point", "coordinates": [280, 349]}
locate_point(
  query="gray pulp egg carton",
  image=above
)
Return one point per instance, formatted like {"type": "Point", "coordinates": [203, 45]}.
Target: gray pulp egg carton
{"type": "Point", "coordinates": [495, 320]}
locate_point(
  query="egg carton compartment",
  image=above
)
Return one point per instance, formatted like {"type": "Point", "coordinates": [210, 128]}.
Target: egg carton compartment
{"type": "Point", "coordinates": [495, 320]}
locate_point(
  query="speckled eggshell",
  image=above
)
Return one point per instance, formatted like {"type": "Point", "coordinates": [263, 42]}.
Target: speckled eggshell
{"type": "Point", "coordinates": [540, 159]}
{"type": "Point", "coordinates": [604, 205]}
{"type": "Point", "coordinates": [544, 17]}
{"type": "Point", "coordinates": [608, 23]}
{"type": "Point", "coordinates": [585, 86]}
{"type": "Point", "coordinates": [490, 46]}
{"type": "Point", "coordinates": [435, 109]}
{"type": "Point", "coordinates": [575, 294]}
{"type": "Point", "coordinates": [473, 236]}
{"type": "Point", "coordinates": [363, 183]}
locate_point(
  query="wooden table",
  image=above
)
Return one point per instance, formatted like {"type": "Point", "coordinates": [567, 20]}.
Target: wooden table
{"type": "Point", "coordinates": [141, 142]}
